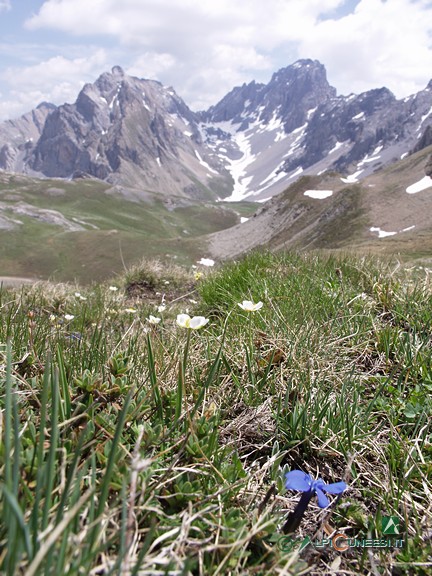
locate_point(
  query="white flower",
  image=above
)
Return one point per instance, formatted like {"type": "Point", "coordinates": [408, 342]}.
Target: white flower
{"type": "Point", "coordinates": [161, 308]}
{"type": "Point", "coordinates": [69, 316]}
{"type": "Point", "coordinates": [130, 310]}
{"type": "Point", "coordinates": [113, 288]}
{"type": "Point", "coordinates": [80, 296]}
{"type": "Point", "coordinates": [153, 319]}
{"type": "Point", "coordinates": [166, 282]}
{"type": "Point", "coordinates": [185, 321]}
{"type": "Point", "coordinates": [52, 318]}
{"type": "Point", "coordinates": [249, 306]}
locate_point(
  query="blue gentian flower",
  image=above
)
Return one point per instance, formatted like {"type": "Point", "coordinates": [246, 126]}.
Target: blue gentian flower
{"type": "Point", "coordinates": [298, 480]}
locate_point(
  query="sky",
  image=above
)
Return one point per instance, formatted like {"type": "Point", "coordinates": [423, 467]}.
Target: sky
{"type": "Point", "coordinates": [203, 48]}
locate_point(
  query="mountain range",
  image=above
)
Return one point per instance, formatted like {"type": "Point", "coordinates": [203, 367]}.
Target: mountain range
{"type": "Point", "coordinates": [142, 138]}
{"type": "Point", "coordinates": [130, 171]}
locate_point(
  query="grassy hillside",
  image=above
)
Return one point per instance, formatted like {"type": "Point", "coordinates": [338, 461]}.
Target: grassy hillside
{"type": "Point", "coordinates": [135, 447]}
{"type": "Point", "coordinates": [100, 231]}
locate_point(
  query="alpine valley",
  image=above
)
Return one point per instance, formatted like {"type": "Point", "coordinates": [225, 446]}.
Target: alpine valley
{"type": "Point", "coordinates": [129, 170]}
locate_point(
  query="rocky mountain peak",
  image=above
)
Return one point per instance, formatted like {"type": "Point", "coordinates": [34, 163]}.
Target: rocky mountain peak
{"type": "Point", "coordinates": [296, 90]}
{"type": "Point", "coordinates": [291, 93]}
{"type": "Point", "coordinates": [117, 72]}
{"type": "Point", "coordinates": [312, 70]}
{"type": "Point", "coordinates": [129, 130]}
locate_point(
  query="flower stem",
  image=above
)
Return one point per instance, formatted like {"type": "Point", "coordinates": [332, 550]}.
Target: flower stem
{"type": "Point", "coordinates": [295, 517]}
{"type": "Point", "coordinates": [186, 351]}
{"type": "Point", "coordinates": [181, 381]}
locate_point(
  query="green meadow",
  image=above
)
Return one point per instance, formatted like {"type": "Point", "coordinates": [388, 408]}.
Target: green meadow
{"type": "Point", "coordinates": [114, 231]}
{"type": "Point", "coordinates": [134, 444]}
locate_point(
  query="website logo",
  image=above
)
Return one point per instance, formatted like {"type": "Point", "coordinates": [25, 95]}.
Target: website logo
{"type": "Point", "coordinates": [390, 525]}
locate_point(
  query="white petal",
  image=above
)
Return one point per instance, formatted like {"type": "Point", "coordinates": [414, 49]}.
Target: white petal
{"type": "Point", "coordinates": [183, 320]}
{"type": "Point", "coordinates": [198, 322]}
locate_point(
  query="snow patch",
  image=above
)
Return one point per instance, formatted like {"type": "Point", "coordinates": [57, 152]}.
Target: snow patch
{"type": "Point", "coordinates": [318, 194]}
{"type": "Point", "coordinates": [336, 147]}
{"type": "Point", "coordinates": [423, 118]}
{"type": "Point", "coordinates": [274, 124]}
{"type": "Point", "coordinates": [275, 176]}
{"type": "Point", "coordinates": [204, 163]}
{"type": "Point", "coordinates": [300, 129]}
{"type": "Point", "coordinates": [243, 219]}
{"type": "Point", "coordinates": [296, 173]}
{"type": "Point", "coordinates": [206, 262]}
{"type": "Point", "coordinates": [280, 136]}
{"type": "Point", "coordinates": [352, 178]}
{"type": "Point", "coordinates": [238, 168]}
{"type": "Point", "coordinates": [425, 182]}
{"type": "Point", "coordinates": [381, 233]}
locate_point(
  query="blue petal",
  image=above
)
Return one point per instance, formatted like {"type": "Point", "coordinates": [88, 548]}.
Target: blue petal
{"type": "Point", "coordinates": [336, 488]}
{"type": "Point", "coordinates": [323, 501]}
{"type": "Point", "coordinates": [298, 480]}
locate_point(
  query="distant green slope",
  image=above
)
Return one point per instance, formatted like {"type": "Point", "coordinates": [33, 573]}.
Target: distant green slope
{"type": "Point", "coordinates": [113, 230]}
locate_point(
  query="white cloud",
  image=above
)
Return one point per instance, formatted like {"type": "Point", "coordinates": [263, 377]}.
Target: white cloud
{"type": "Point", "coordinates": [5, 5]}
{"type": "Point", "coordinates": [204, 48]}
{"type": "Point", "coordinates": [381, 44]}
{"type": "Point", "coordinates": [56, 70]}
{"type": "Point", "coordinates": [201, 47]}
{"type": "Point", "coordinates": [55, 80]}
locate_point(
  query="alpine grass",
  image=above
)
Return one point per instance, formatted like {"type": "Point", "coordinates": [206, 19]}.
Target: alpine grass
{"type": "Point", "coordinates": [130, 446]}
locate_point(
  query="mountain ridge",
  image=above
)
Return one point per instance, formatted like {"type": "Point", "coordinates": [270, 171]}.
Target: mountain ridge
{"type": "Point", "coordinates": [258, 139]}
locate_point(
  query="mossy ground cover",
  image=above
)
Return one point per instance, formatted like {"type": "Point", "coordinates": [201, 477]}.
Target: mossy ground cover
{"type": "Point", "coordinates": [131, 446]}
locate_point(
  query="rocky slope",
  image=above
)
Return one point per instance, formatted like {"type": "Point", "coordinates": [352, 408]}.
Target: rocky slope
{"type": "Point", "coordinates": [388, 211]}
{"type": "Point", "coordinates": [18, 137]}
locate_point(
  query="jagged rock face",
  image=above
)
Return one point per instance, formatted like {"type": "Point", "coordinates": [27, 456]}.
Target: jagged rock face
{"type": "Point", "coordinates": [290, 94]}
{"type": "Point", "coordinates": [342, 120]}
{"type": "Point", "coordinates": [297, 125]}
{"type": "Point", "coordinates": [129, 131]}
{"type": "Point", "coordinates": [18, 137]}
{"type": "Point", "coordinates": [425, 139]}
{"type": "Point", "coordinates": [295, 91]}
